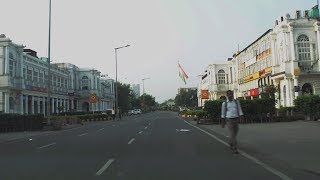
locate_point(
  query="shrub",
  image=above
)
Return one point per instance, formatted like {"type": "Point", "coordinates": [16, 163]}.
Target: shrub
{"type": "Point", "coordinates": [17, 122]}
{"type": "Point", "coordinates": [213, 108]}
{"type": "Point", "coordinates": [309, 105]}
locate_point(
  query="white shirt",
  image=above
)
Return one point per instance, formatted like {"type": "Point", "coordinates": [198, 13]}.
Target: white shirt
{"type": "Point", "coordinates": [232, 111]}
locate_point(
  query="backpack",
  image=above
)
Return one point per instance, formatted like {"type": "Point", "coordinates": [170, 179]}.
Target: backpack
{"type": "Point", "coordinates": [226, 108]}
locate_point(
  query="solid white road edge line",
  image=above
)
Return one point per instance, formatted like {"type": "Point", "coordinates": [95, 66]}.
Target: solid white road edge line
{"type": "Point", "coordinates": [267, 167]}
{"type": "Point", "coordinates": [104, 167]}
{"type": "Point", "coordinates": [83, 134]}
{"type": "Point", "coordinates": [47, 145]}
{"type": "Point", "coordinates": [131, 141]}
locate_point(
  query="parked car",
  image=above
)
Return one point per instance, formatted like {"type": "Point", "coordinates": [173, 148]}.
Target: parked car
{"type": "Point", "coordinates": [137, 111]}
{"type": "Point", "coordinates": [131, 112]}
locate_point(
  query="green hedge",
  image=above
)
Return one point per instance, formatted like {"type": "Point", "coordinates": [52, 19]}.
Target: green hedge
{"type": "Point", "coordinates": [254, 110]}
{"type": "Point", "coordinates": [80, 113]}
{"type": "Point", "coordinates": [309, 105]}
{"type": "Point", "coordinates": [17, 122]}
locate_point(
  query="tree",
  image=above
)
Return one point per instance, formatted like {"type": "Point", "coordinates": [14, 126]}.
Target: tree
{"type": "Point", "coordinates": [187, 98]}
{"type": "Point", "coordinates": [124, 95]}
{"type": "Point", "coordinates": [147, 102]}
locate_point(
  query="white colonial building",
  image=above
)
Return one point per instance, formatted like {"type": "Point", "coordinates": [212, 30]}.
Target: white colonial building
{"type": "Point", "coordinates": [216, 80]}
{"type": "Point", "coordinates": [285, 57]}
{"type": "Point", "coordinates": [296, 66]}
{"type": "Point", "coordinates": [24, 88]}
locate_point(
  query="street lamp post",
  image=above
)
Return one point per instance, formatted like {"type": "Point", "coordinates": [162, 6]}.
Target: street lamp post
{"type": "Point", "coordinates": [116, 86]}
{"type": "Point", "coordinates": [143, 84]}
{"type": "Point", "coordinates": [49, 67]}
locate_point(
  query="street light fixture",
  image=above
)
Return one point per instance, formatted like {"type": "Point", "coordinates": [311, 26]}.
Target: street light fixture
{"type": "Point", "coordinates": [143, 84]}
{"type": "Point", "coordinates": [116, 86]}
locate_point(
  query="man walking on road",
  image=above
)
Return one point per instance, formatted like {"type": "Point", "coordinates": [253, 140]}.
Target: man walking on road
{"type": "Point", "coordinates": [231, 112]}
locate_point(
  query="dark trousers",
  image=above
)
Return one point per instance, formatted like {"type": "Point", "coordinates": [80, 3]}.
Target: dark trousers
{"type": "Point", "coordinates": [233, 128]}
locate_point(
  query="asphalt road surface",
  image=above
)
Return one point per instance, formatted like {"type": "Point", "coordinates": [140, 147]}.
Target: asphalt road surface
{"type": "Point", "coordinates": [151, 146]}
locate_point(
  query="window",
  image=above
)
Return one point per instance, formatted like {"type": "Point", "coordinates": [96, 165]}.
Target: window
{"type": "Point", "coordinates": [11, 67]}
{"type": "Point", "coordinates": [221, 77]}
{"type": "Point", "coordinates": [35, 76]}
{"type": "Point", "coordinates": [45, 77]}
{"type": "Point", "coordinates": [41, 77]}
{"type": "Point", "coordinates": [65, 83]}
{"type": "Point", "coordinates": [59, 82]}
{"type": "Point", "coordinates": [304, 48]}
{"type": "Point", "coordinates": [29, 75]}
{"type": "Point", "coordinates": [85, 83]}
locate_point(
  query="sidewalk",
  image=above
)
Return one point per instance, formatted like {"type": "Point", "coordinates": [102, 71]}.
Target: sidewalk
{"type": "Point", "coordinates": [13, 136]}
{"type": "Point", "coordinates": [297, 144]}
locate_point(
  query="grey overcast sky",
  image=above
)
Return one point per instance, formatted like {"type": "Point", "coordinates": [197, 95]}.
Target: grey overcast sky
{"type": "Point", "coordinates": [161, 33]}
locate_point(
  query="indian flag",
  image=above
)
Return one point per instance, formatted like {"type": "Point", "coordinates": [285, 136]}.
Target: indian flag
{"type": "Point", "coordinates": [182, 74]}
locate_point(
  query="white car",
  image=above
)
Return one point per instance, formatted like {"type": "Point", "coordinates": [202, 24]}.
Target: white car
{"type": "Point", "coordinates": [137, 111]}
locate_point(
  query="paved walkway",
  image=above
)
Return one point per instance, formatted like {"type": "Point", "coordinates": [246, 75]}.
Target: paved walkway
{"type": "Point", "coordinates": [296, 144]}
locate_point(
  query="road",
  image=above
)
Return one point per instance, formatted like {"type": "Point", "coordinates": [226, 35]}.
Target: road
{"type": "Point", "coordinates": [151, 146]}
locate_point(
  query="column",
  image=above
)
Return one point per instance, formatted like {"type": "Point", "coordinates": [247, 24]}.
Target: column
{"type": "Point", "coordinates": [291, 91]}
{"type": "Point", "coordinates": [72, 104]}
{"type": "Point", "coordinates": [44, 106]}
{"type": "Point", "coordinates": [64, 105]}
{"type": "Point", "coordinates": [287, 92]}
{"type": "Point", "coordinates": [52, 105]}
{"type": "Point", "coordinates": [311, 53]}
{"type": "Point", "coordinates": [296, 83]}
{"type": "Point", "coordinates": [6, 60]}
{"type": "Point", "coordinates": [38, 104]}
{"type": "Point", "coordinates": [72, 80]}
{"type": "Point", "coordinates": [92, 80]}
{"type": "Point", "coordinates": [317, 29]}
{"type": "Point", "coordinates": [6, 102]}
{"type": "Point", "coordinates": [273, 50]}
{"type": "Point", "coordinates": [26, 105]}
{"type": "Point", "coordinates": [293, 53]}
{"type": "Point", "coordinates": [57, 105]}
{"type": "Point", "coordinates": [32, 104]}
{"type": "Point", "coordinates": [21, 103]}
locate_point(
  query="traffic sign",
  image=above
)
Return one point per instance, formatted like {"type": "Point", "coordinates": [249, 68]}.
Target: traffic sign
{"type": "Point", "coordinates": [93, 98]}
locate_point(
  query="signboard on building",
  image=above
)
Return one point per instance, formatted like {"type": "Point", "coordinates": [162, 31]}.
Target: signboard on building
{"type": "Point", "coordinates": [34, 88]}
{"type": "Point", "coordinates": [254, 92]}
{"type": "Point", "coordinates": [296, 88]}
{"type": "Point", "coordinates": [204, 94]}
{"type": "Point", "coordinates": [296, 71]}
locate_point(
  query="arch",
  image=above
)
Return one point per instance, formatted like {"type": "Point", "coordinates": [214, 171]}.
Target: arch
{"type": "Point", "coordinates": [304, 50]}
{"type": "Point", "coordinates": [302, 37]}
{"type": "Point", "coordinates": [221, 77]}
{"type": "Point", "coordinates": [306, 89]}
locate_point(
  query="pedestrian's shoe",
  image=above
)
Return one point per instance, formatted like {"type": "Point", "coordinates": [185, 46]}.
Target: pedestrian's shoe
{"type": "Point", "coordinates": [235, 151]}
{"type": "Point", "coordinates": [231, 146]}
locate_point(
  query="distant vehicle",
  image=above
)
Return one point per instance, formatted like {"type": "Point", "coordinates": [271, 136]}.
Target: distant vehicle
{"type": "Point", "coordinates": [134, 112]}
{"type": "Point", "coordinates": [137, 111]}
{"type": "Point", "coordinates": [131, 112]}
